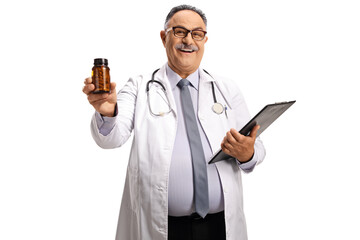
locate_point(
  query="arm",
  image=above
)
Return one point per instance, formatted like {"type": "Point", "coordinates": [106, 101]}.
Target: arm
{"type": "Point", "coordinates": [248, 150]}
{"type": "Point", "coordinates": [112, 122]}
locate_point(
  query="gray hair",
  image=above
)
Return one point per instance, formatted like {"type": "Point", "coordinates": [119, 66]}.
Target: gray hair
{"type": "Point", "coordinates": [184, 7]}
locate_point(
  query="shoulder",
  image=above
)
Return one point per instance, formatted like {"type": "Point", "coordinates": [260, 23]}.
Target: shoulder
{"type": "Point", "coordinates": [157, 74]}
{"type": "Point", "coordinates": [228, 85]}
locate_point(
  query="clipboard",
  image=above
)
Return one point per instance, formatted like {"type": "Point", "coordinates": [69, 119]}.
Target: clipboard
{"type": "Point", "coordinates": [264, 118]}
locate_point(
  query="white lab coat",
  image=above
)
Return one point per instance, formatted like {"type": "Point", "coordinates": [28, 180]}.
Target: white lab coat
{"type": "Point", "coordinates": [144, 208]}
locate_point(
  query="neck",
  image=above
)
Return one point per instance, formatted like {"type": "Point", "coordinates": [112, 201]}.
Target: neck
{"type": "Point", "coordinates": [182, 73]}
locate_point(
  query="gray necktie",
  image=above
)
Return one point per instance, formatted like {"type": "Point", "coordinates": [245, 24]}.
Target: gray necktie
{"type": "Point", "coordinates": [197, 153]}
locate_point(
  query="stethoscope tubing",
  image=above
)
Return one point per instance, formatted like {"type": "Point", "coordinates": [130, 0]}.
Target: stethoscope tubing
{"type": "Point", "coordinates": [217, 107]}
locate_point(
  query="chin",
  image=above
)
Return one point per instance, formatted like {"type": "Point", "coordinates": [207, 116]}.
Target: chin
{"type": "Point", "coordinates": [188, 63]}
{"type": "Point", "coordinates": [188, 67]}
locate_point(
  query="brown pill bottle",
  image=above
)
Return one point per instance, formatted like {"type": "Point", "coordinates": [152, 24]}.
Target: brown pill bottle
{"type": "Point", "coordinates": [101, 75]}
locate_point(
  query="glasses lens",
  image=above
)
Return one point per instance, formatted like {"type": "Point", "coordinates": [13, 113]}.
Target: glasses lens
{"type": "Point", "coordinates": [198, 35]}
{"type": "Point", "coordinates": [180, 32]}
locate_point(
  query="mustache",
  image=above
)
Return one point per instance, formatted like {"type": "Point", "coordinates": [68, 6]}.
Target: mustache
{"type": "Point", "coordinates": [182, 46]}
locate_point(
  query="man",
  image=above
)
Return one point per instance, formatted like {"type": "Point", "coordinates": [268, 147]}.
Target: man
{"type": "Point", "coordinates": [171, 192]}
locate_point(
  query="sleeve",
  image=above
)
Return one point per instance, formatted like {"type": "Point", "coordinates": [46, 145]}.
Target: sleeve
{"type": "Point", "coordinates": [105, 124]}
{"type": "Point", "coordinates": [247, 166]}
{"type": "Point", "coordinates": [113, 132]}
{"type": "Point", "coordinates": [242, 117]}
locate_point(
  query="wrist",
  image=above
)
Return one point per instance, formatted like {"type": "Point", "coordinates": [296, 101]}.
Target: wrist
{"type": "Point", "coordinates": [111, 114]}
{"type": "Point", "coordinates": [246, 161]}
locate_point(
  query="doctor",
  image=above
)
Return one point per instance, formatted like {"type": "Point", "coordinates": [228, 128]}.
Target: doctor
{"type": "Point", "coordinates": [166, 196]}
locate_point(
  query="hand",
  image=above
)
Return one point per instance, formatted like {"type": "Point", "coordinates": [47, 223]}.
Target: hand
{"type": "Point", "coordinates": [104, 103]}
{"type": "Point", "coordinates": [239, 146]}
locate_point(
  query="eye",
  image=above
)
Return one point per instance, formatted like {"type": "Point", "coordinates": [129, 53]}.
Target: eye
{"type": "Point", "coordinates": [180, 32]}
{"type": "Point", "coordinates": [198, 35]}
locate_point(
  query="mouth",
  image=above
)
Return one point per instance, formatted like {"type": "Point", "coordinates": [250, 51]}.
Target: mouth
{"type": "Point", "coordinates": [187, 50]}
{"type": "Point", "coordinates": [184, 48]}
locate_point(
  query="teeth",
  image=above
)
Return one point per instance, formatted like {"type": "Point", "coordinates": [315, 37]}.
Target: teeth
{"type": "Point", "coordinates": [187, 50]}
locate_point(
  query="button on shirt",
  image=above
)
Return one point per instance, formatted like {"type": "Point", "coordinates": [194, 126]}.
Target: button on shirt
{"type": "Point", "coordinates": [181, 188]}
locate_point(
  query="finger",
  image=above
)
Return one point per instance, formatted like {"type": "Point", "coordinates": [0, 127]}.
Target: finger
{"type": "Point", "coordinates": [230, 138]}
{"type": "Point", "coordinates": [254, 131]}
{"type": "Point", "coordinates": [88, 88]}
{"type": "Point", "coordinates": [226, 151]}
{"type": "Point", "coordinates": [224, 148]}
{"type": "Point", "coordinates": [98, 103]}
{"type": "Point", "coordinates": [223, 142]}
{"type": "Point", "coordinates": [112, 86]}
{"type": "Point", "coordinates": [93, 98]}
{"type": "Point", "coordinates": [227, 144]}
{"type": "Point", "coordinates": [236, 135]}
{"type": "Point", "coordinates": [88, 80]}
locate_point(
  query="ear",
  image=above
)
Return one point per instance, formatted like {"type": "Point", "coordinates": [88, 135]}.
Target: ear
{"type": "Point", "coordinates": [206, 38]}
{"type": "Point", "coordinates": [163, 37]}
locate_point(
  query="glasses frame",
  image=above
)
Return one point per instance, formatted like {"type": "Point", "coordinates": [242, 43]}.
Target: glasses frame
{"type": "Point", "coordinates": [187, 32]}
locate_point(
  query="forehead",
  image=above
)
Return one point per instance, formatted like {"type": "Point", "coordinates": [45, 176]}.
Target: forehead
{"type": "Point", "coordinates": [188, 19]}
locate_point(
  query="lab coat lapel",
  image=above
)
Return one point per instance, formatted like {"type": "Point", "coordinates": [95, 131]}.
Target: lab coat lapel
{"type": "Point", "coordinates": [212, 123]}
{"type": "Point", "coordinates": [162, 77]}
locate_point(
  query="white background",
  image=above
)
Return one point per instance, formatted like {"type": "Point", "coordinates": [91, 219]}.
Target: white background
{"type": "Point", "coordinates": [56, 183]}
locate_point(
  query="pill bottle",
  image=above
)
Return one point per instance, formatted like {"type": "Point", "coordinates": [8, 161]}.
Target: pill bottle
{"type": "Point", "coordinates": [101, 75]}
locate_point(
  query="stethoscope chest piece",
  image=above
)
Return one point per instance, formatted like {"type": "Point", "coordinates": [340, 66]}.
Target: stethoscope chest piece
{"type": "Point", "coordinates": [218, 108]}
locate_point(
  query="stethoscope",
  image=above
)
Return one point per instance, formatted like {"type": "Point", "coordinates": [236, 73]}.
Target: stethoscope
{"type": "Point", "coordinates": [217, 108]}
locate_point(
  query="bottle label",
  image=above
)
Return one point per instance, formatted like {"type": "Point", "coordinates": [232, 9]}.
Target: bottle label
{"type": "Point", "coordinates": [101, 79]}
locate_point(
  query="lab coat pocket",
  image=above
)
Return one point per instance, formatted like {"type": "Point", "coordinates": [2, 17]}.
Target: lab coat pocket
{"type": "Point", "coordinates": [133, 178]}
{"type": "Point", "coordinates": [230, 118]}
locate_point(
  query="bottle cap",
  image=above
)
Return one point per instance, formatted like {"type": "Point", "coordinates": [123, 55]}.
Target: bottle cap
{"type": "Point", "coordinates": [100, 61]}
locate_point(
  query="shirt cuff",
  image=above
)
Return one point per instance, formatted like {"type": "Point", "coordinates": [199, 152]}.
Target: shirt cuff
{"type": "Point", "coordinates": [249, 165]}
{"type": "Point", "coordinates": [105, 124]}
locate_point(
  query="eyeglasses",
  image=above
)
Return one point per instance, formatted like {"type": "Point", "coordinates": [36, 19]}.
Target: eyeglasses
{"type": "Point", "coordinates": [182, 32]}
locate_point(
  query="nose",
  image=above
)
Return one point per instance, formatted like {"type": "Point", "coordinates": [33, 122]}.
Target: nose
{"type": "Point", "coordinates": [188, 39]}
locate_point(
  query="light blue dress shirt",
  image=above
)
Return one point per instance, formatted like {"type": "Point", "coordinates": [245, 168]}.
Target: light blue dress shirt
{"type": "Point", "coordinates": [181, 188]}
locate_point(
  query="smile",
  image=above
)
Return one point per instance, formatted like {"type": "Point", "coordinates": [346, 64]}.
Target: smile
{"type": "Point", "coordinates": [187, 50]}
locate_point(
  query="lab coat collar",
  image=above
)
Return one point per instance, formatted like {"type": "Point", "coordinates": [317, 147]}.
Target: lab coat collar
{"type": "Point", "coordinates": [206, 77]}
{"type": "Point", "coordinates": [203, 79]}
{"type": "Point", "coordinates": [174, 78]}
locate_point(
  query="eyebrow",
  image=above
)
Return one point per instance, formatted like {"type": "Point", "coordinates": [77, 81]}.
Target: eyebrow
{"type": "Point", "coordinates": [197, 28]}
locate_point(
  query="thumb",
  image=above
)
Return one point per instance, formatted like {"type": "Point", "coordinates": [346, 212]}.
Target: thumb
{"type": "Point", "coordinates": [112, 86]}
{"type": "Point", "coordinates": [254, 131]}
